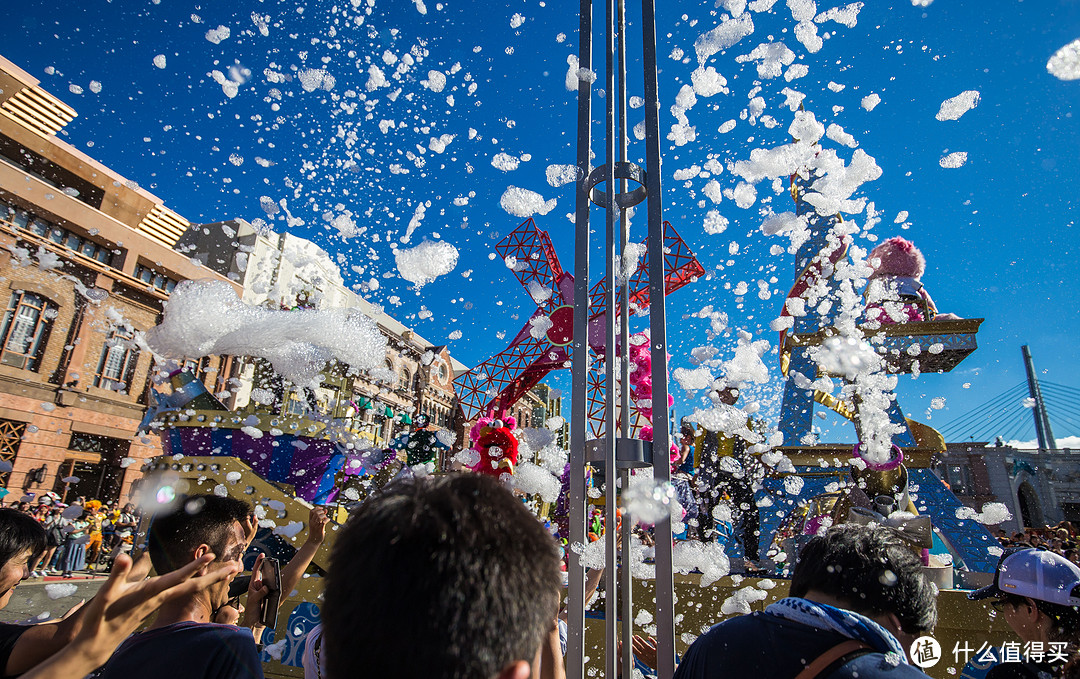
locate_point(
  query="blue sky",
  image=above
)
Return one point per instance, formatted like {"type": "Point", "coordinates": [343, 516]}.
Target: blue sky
{"type": "Point", "coordinates": [999, 233]}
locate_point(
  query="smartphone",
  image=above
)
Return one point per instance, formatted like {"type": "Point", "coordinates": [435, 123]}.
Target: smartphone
{"type": "Point", "coordinates": [271, 575]}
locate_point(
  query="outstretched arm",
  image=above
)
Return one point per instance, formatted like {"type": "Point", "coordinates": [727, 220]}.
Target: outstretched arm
{"type": "Point", "coordinates": [294, 570]}
{"type": "Point", "coordinates": [117, 611]}
{"type": "Point", "coordinates": [39, 642]}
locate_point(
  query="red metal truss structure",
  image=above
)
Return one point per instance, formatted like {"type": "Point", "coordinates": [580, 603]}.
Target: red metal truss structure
{"type": "Point", "coordinates": [543, 343]}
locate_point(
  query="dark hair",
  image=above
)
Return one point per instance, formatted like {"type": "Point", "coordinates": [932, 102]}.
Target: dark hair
{"type": "Point", "coordinates": [448, 578]}
{"type": "Point", "coordinates": [197, 520]}
{"type": "Point", "coordinates": [871, 569]}
{"type": "Point", "coordinates": [19, 532]}
{"type": "Point", "coordinates": [1065, 619]}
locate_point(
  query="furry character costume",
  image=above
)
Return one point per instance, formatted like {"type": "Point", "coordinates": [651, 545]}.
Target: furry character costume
{"type": "Point", "coordinates": [895, 293]}
{"type": "Point", "coordinates": [497, 446]}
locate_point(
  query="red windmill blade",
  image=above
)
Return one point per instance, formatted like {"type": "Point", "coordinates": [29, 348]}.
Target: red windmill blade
{"type": "Point", "coordinates": [543, 343]}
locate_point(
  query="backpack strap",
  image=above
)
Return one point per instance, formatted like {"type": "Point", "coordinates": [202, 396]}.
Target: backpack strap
{"type": "Point", "coordinates": [826, 660]}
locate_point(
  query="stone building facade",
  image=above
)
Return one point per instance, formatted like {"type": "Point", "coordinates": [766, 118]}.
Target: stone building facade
{"type": "Point", "coordinates": [284, 271]}
{"type": "Point", "coordinates": [1039, 487]}
{"type": "Point", "coordinates": [86, 261]}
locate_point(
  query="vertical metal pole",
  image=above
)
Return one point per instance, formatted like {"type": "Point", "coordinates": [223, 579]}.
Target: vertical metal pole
{"type": "Point", "coordinates": [611, 474]}
{"type": "Point", "coordinates": [1042, 420]}
{"type": "Point", "coordinates": [575, 637]}
{"type": "Point", "coordinates": [626, 582]}
{"type": "Point", "coordinates": [665, 594]}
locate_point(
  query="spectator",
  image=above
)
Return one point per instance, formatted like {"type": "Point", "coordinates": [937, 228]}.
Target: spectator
{"type": "Point", "coordinates": [314, 660]}
{"type": "Point", "coordinates": [464, 579]}
{"type": "Point", "coordinates": [22, 540]}
{"type": "Point", "coordinates": [1038, 594]}
{"type": "Point", "coordinates": [118, 608]}
{"type": "Point", "coordinates": [291, 574]}
{"type": "Point", "coordinates": [53, 524]}
{"type": "Point", "coordinates": [126, 524]}
{"type": "Point", "coordinates": [858, 599]}
{"type": "Point", "coordinates": [73, 552]}
{"type": "Point", "coordinates": [728, 474]}
{"type": "Point", "coordinates": [1063, 534]}
{"type": "Point", "coordinates": [182, 643]}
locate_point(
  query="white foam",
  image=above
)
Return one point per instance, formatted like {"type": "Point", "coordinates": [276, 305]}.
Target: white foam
{"type": "Point", "coordinates": [954, 107]}
{"type": "Point", "coordinates": [954, 160]}
{"type": "Point", "coordinates": [426, 262]}
{"type": "Point", "coordinates": [1065, 64]}
{"type": "Point", "coordinates": [204, 318]}
{"type": "Point", "coordinates": [525, 203]}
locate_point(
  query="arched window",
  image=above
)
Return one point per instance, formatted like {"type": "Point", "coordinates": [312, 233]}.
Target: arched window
{"type": "Point", "coordinates": [405, 379]}
{"type": "Point", "coordinates": [118, 360]}
{"type": "Point", "coordinates": [25, 331]}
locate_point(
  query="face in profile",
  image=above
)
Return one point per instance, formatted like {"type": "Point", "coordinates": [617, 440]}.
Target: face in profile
{"type": "Point", "coordinates": [13, 572]}
{"type": "Point", "coordinates": [232, 553]}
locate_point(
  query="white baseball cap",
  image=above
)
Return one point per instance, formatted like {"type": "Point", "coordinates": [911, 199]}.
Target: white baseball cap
{"type": "Point", "coordinates": [1035, 573]}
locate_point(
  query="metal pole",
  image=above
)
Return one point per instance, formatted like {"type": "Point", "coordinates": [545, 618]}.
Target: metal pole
{"type": "Point", "coordinates": [611, 579]}
{"type": "Point", "coordinates": [665, 594]}
{"type": "Point", "coordinates": [1042, 420]}
{"type": "Point", "coordinates": [626, 581]}
{"type": "Point", "coordinates": [575, 624]}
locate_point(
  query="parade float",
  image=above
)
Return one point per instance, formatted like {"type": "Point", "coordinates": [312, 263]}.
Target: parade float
{"type": "Point", "coordinates": [835, 349]}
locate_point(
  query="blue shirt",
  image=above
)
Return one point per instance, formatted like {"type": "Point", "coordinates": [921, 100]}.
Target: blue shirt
{"type": "Point", "coordinates": [764, 645]}
{"type": "Point", "coordinates": [186, 650]}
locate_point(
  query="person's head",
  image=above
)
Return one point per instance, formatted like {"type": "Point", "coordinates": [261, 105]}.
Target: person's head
{"type": "Point", "coordinates": [1038, 594]}
{"type": "Point", "coordinates": [129, 508]}
{"type": "Point", "coordinates": [449, 578]}
{"type": "Point", "coordinates": [870, 570]}
{"type": "Point", "coordinates": [22, 539]}
{"type": "Point", "coordinates": [728, 395]}
{"type": "Point", "coordinates": [1062, 534]}
{"type": "Point", "coordinates": [199, 525]}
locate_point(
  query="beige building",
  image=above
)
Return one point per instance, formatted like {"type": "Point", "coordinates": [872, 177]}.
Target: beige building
{"type": "Point", "coordinates": [284, 270]}
{"type": "Point", "coordinates": [86, 260]}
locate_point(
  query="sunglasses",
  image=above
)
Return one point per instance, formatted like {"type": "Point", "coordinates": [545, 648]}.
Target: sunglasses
{"type": "Point", "coordinates": [1000, 604]}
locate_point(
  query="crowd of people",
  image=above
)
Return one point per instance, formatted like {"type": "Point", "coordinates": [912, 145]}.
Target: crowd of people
{"type": "Point", "coordinates": [452, 577]}
{"type": "Point", "coordinates": [1060, 539]}
{"type": "Point", "coordinates": [85, 536]}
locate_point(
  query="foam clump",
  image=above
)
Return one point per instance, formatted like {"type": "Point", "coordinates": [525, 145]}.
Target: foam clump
{"type": "Point", "coordinates": [532, 479]}
{"type": "Point", "coordinates": [1065, 64]}
{"type": "Point", "coordinates": [708, 558]}
{"type": "Point", "coordinates": [992, 514]}
{"type": "Point", "coordinates": [954, 107]}
{"type": "Point", "coordinates": [953, 160]}
{"type": "Point", "coordinates": [204, 318]}
{"type": "Point", "coordinates": [846, 357]}
{"type": "Point", "coordinates": [524, 203]}
{"type": "Point", "coordinates": [693, 380]}
{"type": "Point", "coordinates": [647, 500]}
{"type": "Point", "coordinates": [57, 590]}
{"type": "Point", "coordinates": [739, 602]}
{"type": "Point", "coordinates": [724, 36]}
{"type": "Point", "coordinates": [426, 262]}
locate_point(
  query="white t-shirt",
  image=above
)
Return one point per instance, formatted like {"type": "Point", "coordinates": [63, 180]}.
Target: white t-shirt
{"type": "Point", "coordinates": [314, 659]}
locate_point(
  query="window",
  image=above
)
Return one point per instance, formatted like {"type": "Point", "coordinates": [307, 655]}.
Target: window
{"type": "Point", "coordinates": [403, 382]}
{"type": "Point", "coordinates": [153, 278]}
{"type": "Point", "coordinates": [26, 330]}
{"type": "Point", "coordinates": [118, 360]}
{"type": "Point", "coordinates": [11, 434]}
{"type": "Point", "coordinates": [62, 237]}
